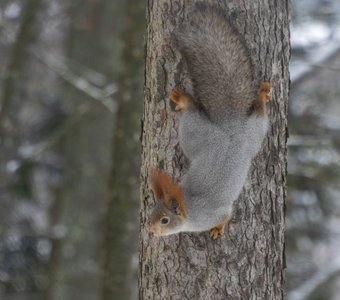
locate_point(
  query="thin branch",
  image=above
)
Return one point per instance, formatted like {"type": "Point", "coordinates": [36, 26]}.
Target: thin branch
{"type": "Point", "coordinates": [104, 96]}
{"type": "Point", "coordinates": [101, 95]}
{"type": "Point", "coordinates": [308, 141]}
{"type": "Point", "coordinates": [320, 58]}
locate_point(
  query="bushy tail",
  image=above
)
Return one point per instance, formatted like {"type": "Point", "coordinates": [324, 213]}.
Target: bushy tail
{"type": "Point", "coordinates": [218, 62]}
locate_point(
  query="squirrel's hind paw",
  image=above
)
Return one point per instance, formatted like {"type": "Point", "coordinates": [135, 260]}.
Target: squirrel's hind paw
{"type": "Point", "coordinates": [181, 99]}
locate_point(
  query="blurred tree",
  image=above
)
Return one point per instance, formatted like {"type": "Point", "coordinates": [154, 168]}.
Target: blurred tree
{"type": "Point", "coordinates": [69, 128]}
{"type": "Point", "coordinates": [121, 230]}
{"type": "Point", "coordinates": [23, 99]}
{"type": "Point", "coordinates": [248, 262]}
{"type": "Point", "coordinates": [94, 49]}
{"type": "Point", "coordinates": [26, 36]}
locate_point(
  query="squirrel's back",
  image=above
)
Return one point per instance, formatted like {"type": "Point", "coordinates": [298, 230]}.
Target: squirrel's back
{"type": "Point", "coordinates": [219, 64]}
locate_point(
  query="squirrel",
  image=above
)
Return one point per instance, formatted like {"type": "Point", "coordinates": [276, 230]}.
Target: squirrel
{"type": "Point", "coordinates": [221, 127]}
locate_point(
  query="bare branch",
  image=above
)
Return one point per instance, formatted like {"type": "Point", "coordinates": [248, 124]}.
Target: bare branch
{"type": "Point", "coordinates": [57, 65]}
{"type": "Point", "coordinates": [101, 95]}
{"type": "Point", "coordinates": [320, 58]}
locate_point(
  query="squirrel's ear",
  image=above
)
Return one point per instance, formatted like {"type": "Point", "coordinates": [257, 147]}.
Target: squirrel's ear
{"type": "Point", "coordinates": [174, 206]}
{"type": "Point", "coordinates": [171, 192]}
{"type": "Point", "coordinates": [156, 183]}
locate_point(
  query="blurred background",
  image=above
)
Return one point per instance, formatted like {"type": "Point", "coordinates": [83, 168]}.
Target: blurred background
{"type": "Point", "coordinates": [313, 204]}
{"type": "Point", "coordinates": [71, 80]}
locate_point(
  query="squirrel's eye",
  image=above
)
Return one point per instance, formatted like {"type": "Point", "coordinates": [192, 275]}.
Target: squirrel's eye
{"type": "Point", "coordinates": [165, 220]}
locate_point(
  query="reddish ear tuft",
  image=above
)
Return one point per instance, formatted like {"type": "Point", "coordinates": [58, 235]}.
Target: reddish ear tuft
{"type": "Point", "coordinates": [164, 187]}
{"type": "Point", "coordinates": [156, 183]}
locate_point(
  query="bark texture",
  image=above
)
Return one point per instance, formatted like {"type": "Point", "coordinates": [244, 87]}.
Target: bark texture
{"type": "Point", "coordinates": [248, 261]}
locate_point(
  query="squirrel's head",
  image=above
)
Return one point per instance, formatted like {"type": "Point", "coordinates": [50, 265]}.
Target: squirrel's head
{"type": "Point", "coordinates": [169, 214]}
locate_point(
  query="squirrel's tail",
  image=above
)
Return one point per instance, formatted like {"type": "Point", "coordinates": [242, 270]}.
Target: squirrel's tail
{"type": "Point", "coordinates": [218, 62]}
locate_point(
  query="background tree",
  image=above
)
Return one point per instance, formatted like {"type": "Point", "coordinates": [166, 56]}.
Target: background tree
{"type": "Point", "coordinates": [71, 75]}
{"type": "Point", "coordinates": [248, 261]}
{"type": "Point", "coordinates": [121, 232]}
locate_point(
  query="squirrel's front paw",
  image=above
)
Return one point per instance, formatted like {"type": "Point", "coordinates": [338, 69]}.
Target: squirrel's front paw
{"type": "Point", "coordinates": [181, 99]}
{"type": "Point", "coordinates": [216, 231]}
{"type": "Point", "coordinates": [219, 229]}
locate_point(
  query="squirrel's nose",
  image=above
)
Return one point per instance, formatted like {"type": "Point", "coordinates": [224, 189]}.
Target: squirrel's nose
{"type": "Point", "coordinates": [153, 230]}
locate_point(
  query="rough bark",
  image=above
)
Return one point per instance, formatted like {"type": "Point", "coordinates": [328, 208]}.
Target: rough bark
{"type": "Point", "coordinates": [248, 261]}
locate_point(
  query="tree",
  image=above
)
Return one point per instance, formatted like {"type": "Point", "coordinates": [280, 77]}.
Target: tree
{"type": "Point", "coordinates": [120, 245]}
{"type": "Point", "coordinates": [91, 39]}
{"type": "Point", "coordinates": [248, 261]}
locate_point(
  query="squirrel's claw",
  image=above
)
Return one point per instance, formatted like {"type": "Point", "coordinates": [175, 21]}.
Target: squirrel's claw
{"type": "Point", "coordinates": [216, 231]}
{"type": "Point", "coordinates": [265, 92]}
{"type": "Point", "coordinates": [264, 96]}
{"type": "Point", "coordinates": [180, 98]}
{"type": "Point", "coordinates": [180, 106]}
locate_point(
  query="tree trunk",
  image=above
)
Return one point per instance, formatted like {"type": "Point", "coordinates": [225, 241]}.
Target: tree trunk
{"type": "Point", "coordinates": [248, 261]}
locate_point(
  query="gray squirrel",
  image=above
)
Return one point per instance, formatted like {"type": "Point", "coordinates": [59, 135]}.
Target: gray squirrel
{"type": "Point", "coordinates": [221, 127]}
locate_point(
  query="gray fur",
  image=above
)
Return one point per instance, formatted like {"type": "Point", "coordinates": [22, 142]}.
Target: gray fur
{"type": "Point", "coordinates": [219, 164]}
{"type": "Point", "coordinates": [220, 140]}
